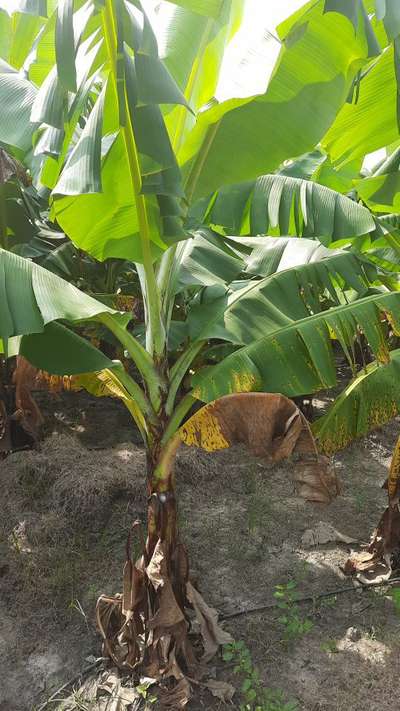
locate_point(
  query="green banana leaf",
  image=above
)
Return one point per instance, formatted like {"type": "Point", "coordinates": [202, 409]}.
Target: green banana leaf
{"type": "Point", "coordinates": [207, 259]}
{"type": "Point", "coordinates": [192, 39]}
{"type": "Point", "coordinates": [371, 122]}
{"type": "Point", "coordinates": [296, 358]}
{"type": "Point", "coordinates": [370, 400]}
{"type": "Point", "coordinates": [32, 297]}
{"type": "Point", "coordinates": [288, 206]}
{"type": "Point", "coordinates": [253, 309]}
{"type": "Point", "coordinates": [60, 351]}
{"type": "Point", "coordinates": [381, 192]}
{"type": "Point", "coordinates": [105, 172]}
{"type": "Point", "coordinates": [317, 65]}
{"type": "Point", "coordinates": [318, 62]}
{"type": "Point", "coordinates": [265, 256]}
{"type": "Point", "coordinates": [16, 98]}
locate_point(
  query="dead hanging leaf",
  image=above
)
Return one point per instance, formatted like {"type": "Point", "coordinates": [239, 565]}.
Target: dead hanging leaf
{"type": "Point", "coordinates": [5, 431]}
{"type": "Point", "coordinates": [176, 698]}
{"type": "Point", "coordinates": [157, 568]}
{"type": "Point", "coordinates": [384, 548]}
{"type": "Point", "coordinates": [324, 533]}
{"type": "Point", "coordinates": [12, 168]}
{"type": "Point", "coordinates": [168, 613]}
{"type": "Point", "coordinates": [27, 412]}
{"type": "Point", "coordinates": [316, 481]}
{"type": "Point", "coordinates": [213, 635]}
{"type": "Point", "coordinates": [133, 588]}
{"type": "Point", "coordinates": [21, 419]}
{"type": "Point", "coordinates": [120, 696]}
{"type": "Point", "coordinates": [221, 689]}
{"type": "Point", "coordinates": [393, 480]}
{"type": "Point", "coordinates": [126, 621]}
{"type": "Point", "coordinates": [273, 428]}
{"type": "Point", "coordinates": [122, 635]}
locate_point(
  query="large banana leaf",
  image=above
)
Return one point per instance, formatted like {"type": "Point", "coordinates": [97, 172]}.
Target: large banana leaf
{"type": "Point", "coordinates": [192, 39]}
{"type": "Point", "coordinates": [371, 122]}
{"type": "Point", "coordinates": [253, 309]}
{"type": "Point", "coordinates": [381, 191]}
{"type": "Point", "coordinates": [287, 206]}
{"type": "Point", "coordinates": [297, 358]}
{"type": "Point", "coordinates": [32, 297]}
{"type": "Point", "coordinates": [207, 259]}
{"type": "Point", "coordinates": [265, 256]}
{"type": "Point", "coordinates": [16, 99]}
{"type": "Point", "coordinates": [104, 168]}
{"type": "Point", "coordinates": [60, 351]}
{"type": "Point", "coordinates": [387, 27]}
{"type": "Point", "coordinates": [370, 400]}
{"type": "Point", "coordinates": [319, 60]}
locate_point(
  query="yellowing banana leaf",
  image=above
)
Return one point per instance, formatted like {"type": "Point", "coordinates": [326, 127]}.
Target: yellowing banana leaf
{"type": "Point", "coordinates": [283, 298]}
{"type": "Point", "coordinates": [369, 401]}
{"type": "Point", "coordinates": [297, 358]}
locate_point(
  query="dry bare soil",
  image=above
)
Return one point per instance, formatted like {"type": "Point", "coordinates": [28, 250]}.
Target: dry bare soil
{"type": "Point", "coordinates": [64, 514]}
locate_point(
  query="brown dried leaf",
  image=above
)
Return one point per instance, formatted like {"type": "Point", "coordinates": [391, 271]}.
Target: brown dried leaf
{"type": "Point", "coordinates": [221, 689]}
{"type": "Point", "coordinates": [393, 481]}
{"type": "Point", "coordinates": [385, 540]}
{"type": "Point", "coordinates": [213, 635]}
{"type": "Point", "coordinates": [12, 168]}
{"type": "Point", "coordinates": [169, 613]}
{"type": "Point", "coordinates": [272, 427]}
{"type": "Point", "coordinates": [176, 698]}
{"type": "Point", "coordinates": [324, 533]}
{"type": "Point", "coordinates": [316, 481]}
{"type": "Point", "coordinates": [133, 587]}
{"type": "Point", "coordinates": [5, 434]}
{"type": "Point", "coordinates": [157, 568]}
{"type": "Point", "coordinates": [121, 696]}
{"type": "Point", "coordinates": [110, 620]}
{"type": "Point", "coordinates": [27, 412]}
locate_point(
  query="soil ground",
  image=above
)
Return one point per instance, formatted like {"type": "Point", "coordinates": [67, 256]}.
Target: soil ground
{"type": "Point", "coordinates": [64, 515]}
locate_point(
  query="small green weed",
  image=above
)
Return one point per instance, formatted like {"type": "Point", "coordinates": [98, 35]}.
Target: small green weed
{"type": "Point", "coordinates": [294, 625]}
{"type": "Point", "coordinates": [330, 646]}
{"type": "Point", "coordinates": [327, 602]}
{"type": "Point", "coordinates": [255, 696]}
{"type": "Point", "coordinates": [143, 690]}
{"type": "Point", "coordinates": [395, 595]}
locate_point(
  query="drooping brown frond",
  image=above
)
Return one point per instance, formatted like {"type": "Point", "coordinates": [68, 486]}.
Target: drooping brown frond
{"type": "Point", "coordinates": [384, 548]}
{"type": "Point", "coordinates": [273, 428]}
{"type": "Point", "coordinates": [27, 413]}
{"type": "Point", "coordinates": [11, 168]}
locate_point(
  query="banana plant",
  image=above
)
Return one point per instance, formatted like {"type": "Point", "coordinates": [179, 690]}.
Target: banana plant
{"type": "Point", "coordinates": [123, 118]}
